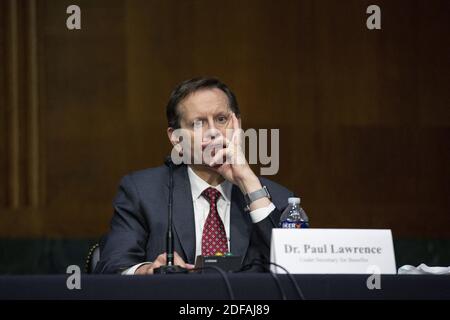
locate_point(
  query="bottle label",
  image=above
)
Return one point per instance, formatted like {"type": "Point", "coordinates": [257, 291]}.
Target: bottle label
{"type": "Point", "coordinates": [294, 225]}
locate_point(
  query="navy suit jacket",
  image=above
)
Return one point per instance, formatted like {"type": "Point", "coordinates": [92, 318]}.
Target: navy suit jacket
{"type": "Point", "coordinates": [139, 224]}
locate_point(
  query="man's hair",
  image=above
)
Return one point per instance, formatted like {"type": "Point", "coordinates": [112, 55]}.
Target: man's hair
{"type": "Point", "coordinates": [184, 89]}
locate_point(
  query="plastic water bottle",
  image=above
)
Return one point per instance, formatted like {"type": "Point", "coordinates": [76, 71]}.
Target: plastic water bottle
{"type": "Point", "coordinates": [294, 216]}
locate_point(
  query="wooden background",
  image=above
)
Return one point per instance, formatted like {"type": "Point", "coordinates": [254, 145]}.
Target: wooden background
{"type": "Point", "coordinates": [364, 116]}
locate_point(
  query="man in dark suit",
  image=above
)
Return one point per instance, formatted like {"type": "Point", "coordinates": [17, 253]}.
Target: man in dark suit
{"type": "Point", "coordinates": [220, 205]}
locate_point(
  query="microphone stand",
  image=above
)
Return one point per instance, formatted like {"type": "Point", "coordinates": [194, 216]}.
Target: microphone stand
{"type": "Point", "coordinates": [170, 268]}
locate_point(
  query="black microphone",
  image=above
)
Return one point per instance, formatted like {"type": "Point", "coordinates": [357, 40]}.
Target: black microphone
{"type": "Point", "coordinates": [170, 267]}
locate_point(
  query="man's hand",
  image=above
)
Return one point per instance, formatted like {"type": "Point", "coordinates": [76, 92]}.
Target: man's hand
{"type": "Point", "coordinates": [161, 260]}
{"type": "Point", "coordinates": [231, 164]}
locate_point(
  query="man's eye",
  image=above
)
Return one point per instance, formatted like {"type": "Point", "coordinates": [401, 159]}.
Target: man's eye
{"type": "Point", "coordinates": [197, 124]}
{"type": "Point", "coordinates": [222, 119]}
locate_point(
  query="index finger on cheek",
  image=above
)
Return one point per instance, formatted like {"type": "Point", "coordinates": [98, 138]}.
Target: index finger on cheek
{"type": "Point", "coordinates": [235, 122]}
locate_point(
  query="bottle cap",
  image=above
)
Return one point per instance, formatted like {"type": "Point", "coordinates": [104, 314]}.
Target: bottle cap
{"type": "Point", "coordinates": [294, 200]}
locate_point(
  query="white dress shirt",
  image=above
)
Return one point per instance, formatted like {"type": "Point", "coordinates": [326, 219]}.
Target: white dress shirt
{"type": "Point", "coordinates": [201, 211]}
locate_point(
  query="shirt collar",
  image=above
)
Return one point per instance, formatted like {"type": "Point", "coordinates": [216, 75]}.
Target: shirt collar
{"type": "Point", "coordinates": [198, 185]}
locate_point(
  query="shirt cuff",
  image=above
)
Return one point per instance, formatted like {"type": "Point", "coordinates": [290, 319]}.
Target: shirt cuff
{"type": "Point", "coordinates": [130, 271]}
{"type": "Point", "coordinates": [261, 213]}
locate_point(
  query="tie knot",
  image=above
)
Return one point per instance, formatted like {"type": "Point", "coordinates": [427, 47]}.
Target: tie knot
{"type": "Point", "coordinates": [211, 194]}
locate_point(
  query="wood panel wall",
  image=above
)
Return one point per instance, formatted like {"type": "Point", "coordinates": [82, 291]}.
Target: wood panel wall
{"type": "Point", "coordinates": [364, 116]}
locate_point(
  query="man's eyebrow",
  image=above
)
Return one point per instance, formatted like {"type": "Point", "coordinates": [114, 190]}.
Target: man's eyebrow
{"type": "Point", "coordinates": [195, 119]}
{"type": "Point", "coordinates": [226, 113]}
{"type": "Point", "coordinates": [198, 117]}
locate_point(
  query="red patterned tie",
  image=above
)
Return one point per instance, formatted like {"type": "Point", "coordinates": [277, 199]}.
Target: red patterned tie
{"type": "Point", "coordinates": [214, 238]}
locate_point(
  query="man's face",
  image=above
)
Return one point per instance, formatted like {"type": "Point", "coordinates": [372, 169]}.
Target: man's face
{"type": "Point", "coordinates": [204, 116]}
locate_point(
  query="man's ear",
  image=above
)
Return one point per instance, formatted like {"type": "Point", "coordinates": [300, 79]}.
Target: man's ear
{"type": "Point", "coordinates": [174, 140]}
{"type": "Point", "coordinates": [170, 134]}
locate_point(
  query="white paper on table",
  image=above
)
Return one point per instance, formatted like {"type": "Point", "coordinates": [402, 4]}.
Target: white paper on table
{"type": "Point", "coordinates": [423, 269]}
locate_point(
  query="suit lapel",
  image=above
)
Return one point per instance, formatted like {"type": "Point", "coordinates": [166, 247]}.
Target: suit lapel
{"type": "Point", "coordinates": [240, 224]}
{"type": "Point", "coordinates": [183, 212]}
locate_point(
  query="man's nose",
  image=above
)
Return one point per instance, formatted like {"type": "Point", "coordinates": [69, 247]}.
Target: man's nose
{"type": "Point", "coordinates": [212, 132]}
